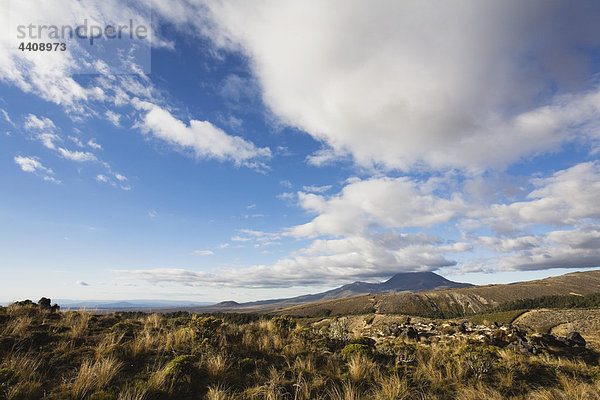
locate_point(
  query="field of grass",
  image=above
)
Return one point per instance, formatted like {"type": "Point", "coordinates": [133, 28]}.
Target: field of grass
{"type": "Point", "coordinates": [135, 356]}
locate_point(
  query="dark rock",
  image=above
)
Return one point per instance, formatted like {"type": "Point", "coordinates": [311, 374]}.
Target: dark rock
{"type": "Point", "coordinates": [410, 333]}
{"type": "Point", "coordinates": [24, 303]}
{"type": "Point", "coordinates": [44, 303]}
{"type": "Point", "coordinates": [549, 340]}
{"type": "Point", "coordinates": [393, 330]}
{"type": "Point", "coordinates": [575, 339]}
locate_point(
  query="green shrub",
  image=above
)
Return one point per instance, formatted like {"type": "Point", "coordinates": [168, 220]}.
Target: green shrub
{"type": "Point", "coordinates": [356, 348]}
{"type": "Point", "coordinates": [182, 368]}
{"type": "Point", "coordinates": [283, 325]}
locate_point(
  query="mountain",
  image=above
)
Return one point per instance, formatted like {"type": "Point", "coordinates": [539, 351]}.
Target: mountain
{"type": "Point", "coordinates": [453, 302]}
{"type": "Point", "coordinates": [402, 282]}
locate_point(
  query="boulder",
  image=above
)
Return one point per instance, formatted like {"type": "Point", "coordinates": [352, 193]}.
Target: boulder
{"type": "Point", "coordinates": [575, 339]}
{"type": "Point", "coordinates": [44, 303]}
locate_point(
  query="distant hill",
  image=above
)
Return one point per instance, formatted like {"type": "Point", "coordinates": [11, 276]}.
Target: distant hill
{"type": "Point", "coordinates": [453, 302]}
{"type": "Point", "coordinates": [402, 282]}
{"type": "Point", "coordinates": [126, 304]}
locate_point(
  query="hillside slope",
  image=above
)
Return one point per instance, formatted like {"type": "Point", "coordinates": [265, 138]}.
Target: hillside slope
{"type": "Point", "coordinates": [453, 302]}
{"type": "Point", "coordinates": [402, 282]}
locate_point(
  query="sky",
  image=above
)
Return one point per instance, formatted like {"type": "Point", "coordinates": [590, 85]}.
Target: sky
{"type": "Point", "coordinates": [244, 150]}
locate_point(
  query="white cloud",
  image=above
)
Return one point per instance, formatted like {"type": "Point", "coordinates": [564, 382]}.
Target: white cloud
{"type": "Point", "coordinates": [565, 198]}
{"type": "Point", "coordinates": [576, 248]}
{"type": "Point", "coordinates": [205, 139]}
{"type": "Point", "coordinates": [7, 117]}
{"type": "Point", "coordinates": [345, 260]}
{"type": "Point", "coordinates": [379, 226]}
{"type": "Point", "coordinates": [385, 202]}
{"type": "Point", "coordinates": [92, 143]}
{"type": "Point", "coordinates": [76, 141]}
{"type": "Point", "coordinates": [113, 117]}
{"type": "Point", "coordinates": [79, 156]}
{"type": "Point", "coordinates": [430, 83]}
{"type": "Point", "coordinates": [286, 196]}
{"type": "Point", "coordinates": [204, 252]}
{"type": "Point", "coordinates": [50, 75]}
{"type": "Point", "coordinates": [32, 164]}
{"type": "Point", "coordinates": [316, 189]}
{"type": "Point", "coordinates": [102, 178]}
{"type": "Point", "coordinates": [33, 122]}
{"type": "Point", "coordinates": [29, 164]}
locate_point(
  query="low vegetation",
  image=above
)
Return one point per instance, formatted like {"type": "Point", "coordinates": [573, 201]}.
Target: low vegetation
{"type": "Point", "coordinates": [47, 354]}
{"type": "Point", "coordinates": [568, 301]}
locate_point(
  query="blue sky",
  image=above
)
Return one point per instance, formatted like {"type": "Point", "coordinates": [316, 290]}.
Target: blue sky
{"type": "Point", "coordinates": [277, 148]}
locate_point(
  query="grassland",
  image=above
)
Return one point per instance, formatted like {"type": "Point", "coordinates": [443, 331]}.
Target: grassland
{"type": "Point", "coordinates": [135, 356]}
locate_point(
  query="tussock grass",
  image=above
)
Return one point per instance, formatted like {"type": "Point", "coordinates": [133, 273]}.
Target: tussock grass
{"type": "Point", "coordinates": [131, 356]}
{"type": "Point", "coordinates": [94, 375]}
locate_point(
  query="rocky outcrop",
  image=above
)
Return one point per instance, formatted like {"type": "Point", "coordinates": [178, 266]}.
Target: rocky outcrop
{"type": "Point", "coordinates": [517, 338]}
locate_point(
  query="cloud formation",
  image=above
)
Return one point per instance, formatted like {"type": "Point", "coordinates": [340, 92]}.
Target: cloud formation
{"type": "Point", "coordinates": [365, 232]}
{"type": "Point", "coordinates": [33, 165]}
{"type": "Point", "coordinates": [202, 137]}
{"type": "Point", "coordinates": [401, 84]}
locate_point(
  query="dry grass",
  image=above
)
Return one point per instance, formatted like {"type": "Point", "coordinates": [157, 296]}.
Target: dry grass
{"type": "Point", "coordinates": [94, 375]}
{"type": "Point", "coordinates": [150, 357]}
{"type": "Point", "coordinates": [361, 368]}
{"type": "Point", "coordinates": [133, 394]}
{"type": "Point", "coordinates": [217, 392]}
{"type": "Point", "coordinates": [392, 388]}
{"type": "Point", "coordinates": [18, 326]}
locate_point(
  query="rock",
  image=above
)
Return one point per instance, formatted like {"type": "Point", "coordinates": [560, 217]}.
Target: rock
{"type": "Point", "coordinates": [392, 330]}
{"type": "Point", "coordinates": [410, 333]}
{"type": "Point", "coordinates": [575, 339]}
{"type": "Point", "coordinates": [44, 303]}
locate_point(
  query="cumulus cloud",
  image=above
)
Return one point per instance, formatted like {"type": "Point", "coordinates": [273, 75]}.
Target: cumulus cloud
{"type": "Point", "coordinates": [385, 202]}
{"type": "Point", "coordinates": [203, 138]}
{"type": "Point", "coordinates": [359, 260]}
{"type": "Point", "coordinates": [376, 227]}
{"type": "Point", "coordinates": [431, 84]}
{"type": "Point", "coordinates": [576, 248]}
{"type": "Point", "coordinates": [565, 198]}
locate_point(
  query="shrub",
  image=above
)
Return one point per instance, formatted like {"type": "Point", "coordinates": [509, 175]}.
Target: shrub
{"type": "Point", "coordinates": [356, 348]}
{"type": "Point", "coordinates": [182, 369]}
{"type": "Point", "coordinates": [283, 325]}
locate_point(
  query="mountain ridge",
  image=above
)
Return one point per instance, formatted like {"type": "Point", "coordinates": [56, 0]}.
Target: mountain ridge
{"type": "Point", "coordinates": [400, 282]}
